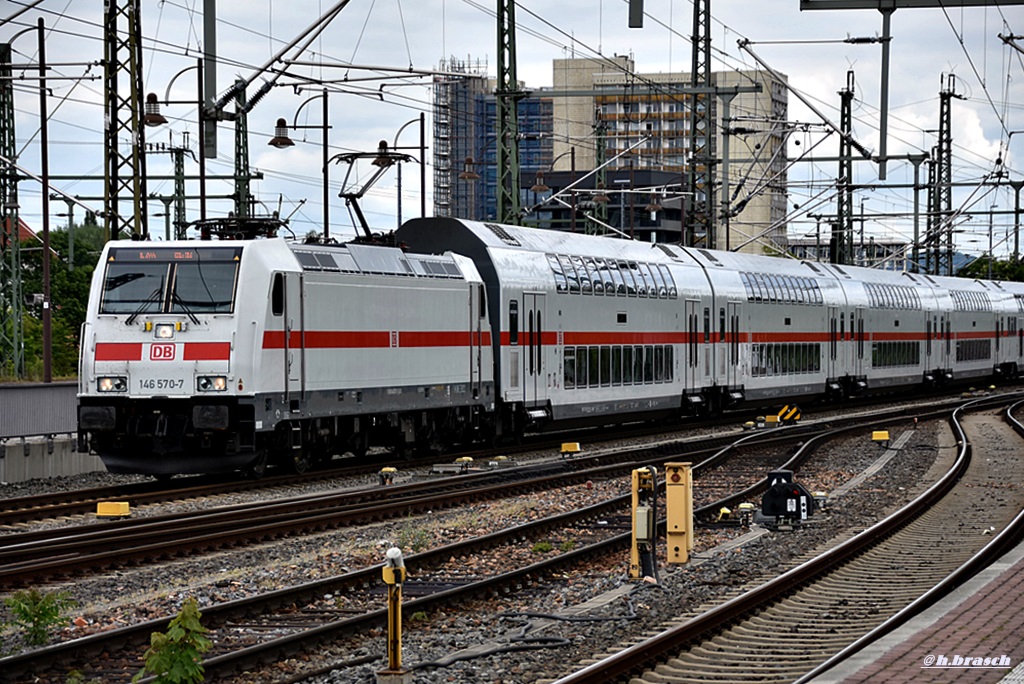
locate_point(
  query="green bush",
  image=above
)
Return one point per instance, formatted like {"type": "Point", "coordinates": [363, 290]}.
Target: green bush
{"type": "Point", "coordinates": [176, 657]}
{"type": "Point", "coordinates": [37, 612]}
{"type": "Point", "coordinates": [542, 547]}
{"type": "Point", "coordinates": [76, 677]}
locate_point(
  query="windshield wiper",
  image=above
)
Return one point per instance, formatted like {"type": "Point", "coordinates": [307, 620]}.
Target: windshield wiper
{"type": "Point", "coordinates": [153, 296]}
{"type": "Point", "coordinates": [181, 302]}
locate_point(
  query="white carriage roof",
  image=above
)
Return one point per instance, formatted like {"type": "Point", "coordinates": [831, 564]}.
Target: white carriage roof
{"type": "Point", "coordinates": [498, 236]}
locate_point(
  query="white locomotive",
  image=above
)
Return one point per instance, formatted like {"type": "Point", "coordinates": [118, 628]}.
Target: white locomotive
{"type": "Point", "coordinates": [201, 357]}
{"type": "Point", "coordinates": [222, 356]}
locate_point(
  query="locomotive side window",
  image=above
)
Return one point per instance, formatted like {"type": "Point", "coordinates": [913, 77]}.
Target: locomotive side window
{"type": "Point", "coordinates": [277, 295]}
{"type": "Point", "coordinates": [513, 321]}
{"type": "Point", "coordinates": [483, 301]}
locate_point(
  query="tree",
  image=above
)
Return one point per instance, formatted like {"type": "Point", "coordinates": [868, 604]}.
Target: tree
{"type": "Point", "coordinates": [69, 296]}
{"type": "Point", "coordinates": [1012, 271]}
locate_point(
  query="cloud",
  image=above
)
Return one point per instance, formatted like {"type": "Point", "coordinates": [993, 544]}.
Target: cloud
{"type": "Point", "coordinates": [926, 44]}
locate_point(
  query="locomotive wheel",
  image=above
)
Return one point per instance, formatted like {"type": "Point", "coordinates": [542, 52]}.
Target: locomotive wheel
{"type": "Point", "coordinates": [258, 468]}
{"type": "Point", "coordinates": [359, 444]}
{"type": "Point", "coordinates": [301, 461]}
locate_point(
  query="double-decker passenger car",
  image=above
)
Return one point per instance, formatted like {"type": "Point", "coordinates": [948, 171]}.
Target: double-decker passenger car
{"type": "Point", "coordinates": [630, 329]}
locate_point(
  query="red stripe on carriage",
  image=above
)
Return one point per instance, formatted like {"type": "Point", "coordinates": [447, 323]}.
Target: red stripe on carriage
{"type": "Point", "coordinates": [372, 339]}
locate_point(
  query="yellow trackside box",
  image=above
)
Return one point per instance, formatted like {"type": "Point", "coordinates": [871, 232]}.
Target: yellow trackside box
{"type": "Point", "coordinates": [113, 509]}
{"type": "Point", "coordinates": [678, 511]}
{"type": "Point", "coordinates": [880, 436]}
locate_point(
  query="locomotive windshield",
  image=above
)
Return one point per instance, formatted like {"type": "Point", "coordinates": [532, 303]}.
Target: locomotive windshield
{"type": "Point", "coordinates": [141, 280]}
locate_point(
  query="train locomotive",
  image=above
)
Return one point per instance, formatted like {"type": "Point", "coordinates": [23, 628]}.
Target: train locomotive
{"type": "Point", "coordinates": [202, 357]}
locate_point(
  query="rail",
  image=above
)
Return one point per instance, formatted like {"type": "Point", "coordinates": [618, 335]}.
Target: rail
{"type": "Point", "coordinates": [640, 656]}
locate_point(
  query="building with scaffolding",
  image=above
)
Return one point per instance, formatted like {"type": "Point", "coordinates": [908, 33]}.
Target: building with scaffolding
{"type": "Point", "coordinates": [465, 135]}
{"type": "Point", "coordinates": [602, 122]}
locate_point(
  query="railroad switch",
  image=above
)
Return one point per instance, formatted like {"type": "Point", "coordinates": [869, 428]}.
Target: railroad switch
{"type": "Point", "coordinates": [678, 511]}
{"type": "Point", "coordinates": [394, 575]}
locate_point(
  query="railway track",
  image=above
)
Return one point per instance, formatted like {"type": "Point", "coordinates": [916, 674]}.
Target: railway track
{"type": "Point", "coordinates": [64, 552]}
{"type": "Point", "coordinates": [15, 510]}
{"type": "Point", "coordinates": [783, 629]}
{"type": "Point", "coordinates": [275, 612]}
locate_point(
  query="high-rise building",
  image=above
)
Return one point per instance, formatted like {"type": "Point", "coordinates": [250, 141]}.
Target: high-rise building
{"type": "Point", "coordinates": [465, 141]}
{"type": "Point", "coordinates": [602, 114]}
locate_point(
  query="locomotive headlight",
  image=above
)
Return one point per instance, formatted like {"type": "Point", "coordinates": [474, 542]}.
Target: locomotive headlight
{"type": "Point", "coordinates": [112, 383]}
{"type": "Point", "coordinates": [211, 383]}
{"type": "Point", "coordinates": [164, 331]}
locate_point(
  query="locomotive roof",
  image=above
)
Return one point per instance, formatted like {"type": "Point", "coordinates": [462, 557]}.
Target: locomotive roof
{"type": "Point", "coordinates": [374, 260]}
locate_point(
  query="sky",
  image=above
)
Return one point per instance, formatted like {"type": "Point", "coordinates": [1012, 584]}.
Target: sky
{"type": "Point", "coordinates": [928, 46]}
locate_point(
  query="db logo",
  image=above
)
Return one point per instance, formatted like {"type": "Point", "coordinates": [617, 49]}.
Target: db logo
{"type": "Point", "coordinates": [161, 352]}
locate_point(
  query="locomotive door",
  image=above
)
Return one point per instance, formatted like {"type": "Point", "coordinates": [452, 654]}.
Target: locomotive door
{"type": "Point", "coordinates": [534, 376]}
{"type": "Point", "coordinates": [692, 345]}
{"type": "Point", "coordinates": [294, 338]}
